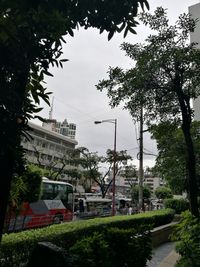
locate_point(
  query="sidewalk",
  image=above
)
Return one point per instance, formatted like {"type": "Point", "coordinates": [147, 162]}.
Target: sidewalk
{"type": "Point", "coordinates": [170, 260]}
{"type": "Point", "coordinates": [164, 256]}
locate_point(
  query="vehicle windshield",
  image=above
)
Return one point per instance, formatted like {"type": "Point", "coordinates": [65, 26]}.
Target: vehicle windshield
{"type": "Point", "coordinates": [63, 192]}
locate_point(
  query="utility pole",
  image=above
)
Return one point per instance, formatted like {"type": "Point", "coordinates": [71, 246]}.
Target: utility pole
{"type": "Point", "coordinates": [141, 171]}
{"type": "Point", "coordinates": [114, 169]}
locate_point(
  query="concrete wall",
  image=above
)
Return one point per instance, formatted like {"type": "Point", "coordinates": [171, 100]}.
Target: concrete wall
{"type": "Point", "coordinates": [162, 234]}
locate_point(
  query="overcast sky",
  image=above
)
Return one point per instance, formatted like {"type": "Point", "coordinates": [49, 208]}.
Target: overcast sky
{"type": "Point", "coordinates": [76, 98]}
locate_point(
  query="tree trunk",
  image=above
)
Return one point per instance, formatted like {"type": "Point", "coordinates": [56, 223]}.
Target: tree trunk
{"type": "Point", "coordinates": [191, 164]}
{"type": "Point", "coordinates": [11, 117]}
{"type": "Point", "coordinates": [7, 160]}
{"type": "Point", "coordinates": [184, 102]}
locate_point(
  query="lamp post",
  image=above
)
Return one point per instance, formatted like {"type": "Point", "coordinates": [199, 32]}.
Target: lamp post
{"type": "Point", "coordinates": [114, 161]}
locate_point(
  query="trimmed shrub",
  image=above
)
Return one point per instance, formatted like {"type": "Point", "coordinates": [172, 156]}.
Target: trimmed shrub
{"type": "Point", "coordinates": [16, 248]}
{"type": "Point", "coordinates": [187, 233]}
{"type": "Point", "coordinates": [91, 251]}
{"type": "Point", "coordinates": [179, 205]}
{"type": "Point", "coordinates": [114, 247]}
{"type": "Point", "coordinates": [128, 248]}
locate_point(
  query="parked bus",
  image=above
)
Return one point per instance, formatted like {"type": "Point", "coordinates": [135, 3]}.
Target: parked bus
{"type": "Point", "coordinates": [54, 206]}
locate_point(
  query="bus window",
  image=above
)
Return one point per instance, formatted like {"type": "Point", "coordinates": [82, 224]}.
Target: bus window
{"type": "Point", "coordinates": [47, 191]}
{"type": "Point", "coordinates": [70, 201]}
{"type": "Point", "coordinates": [60, 192]}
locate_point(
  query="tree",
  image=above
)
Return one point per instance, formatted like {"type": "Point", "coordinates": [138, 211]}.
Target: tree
{"type": "Point", "coordinates": [28, 186]}
{"type": "Point", "coordinates": [91, 164]}
{"type": "Point", "coordinates": [135, 192]}
{"type": "Point", "coordinates": [171, 159]}
{"type": "Point", "coordinates": [31, 38]}
{"type": "Point", "coordinates": [165, 76]}
{"type": "Point", "coordinates": [163, 192]}
{"type": "Point", "coordinates": [131, 174]}
{"type": "Point", "coordinates": [24, 188]}
{"type": "Point", "coordinates": [60, 166]}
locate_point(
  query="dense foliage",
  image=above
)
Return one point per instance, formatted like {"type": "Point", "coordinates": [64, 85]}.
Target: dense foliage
{"type": "Point", "coordinates": [187, 235]}
{"type": "Point", "coordinates": [171, 160]}
{"type": "Point", "coordinates": [163, 192]}
{"type": "Point", "coordinates": [26, 187]}
{"type": "Point", "coordinates": [114, 247]}
{"type": "Point", "coordinates": [179, 205]}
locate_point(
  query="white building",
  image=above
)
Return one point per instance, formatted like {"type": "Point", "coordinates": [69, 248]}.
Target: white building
{"type": "Point", "coordinates": [123, 185]}
{"type": "Point", "coordinates": [195, 38]}
{"type": "Point", "coordinates": [47, 146]}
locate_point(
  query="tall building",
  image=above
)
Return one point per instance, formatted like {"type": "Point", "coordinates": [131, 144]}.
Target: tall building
{"type": "Point", "coordinates": [64, 128]}
{"type": "Point", "coordinates": [195, 38]}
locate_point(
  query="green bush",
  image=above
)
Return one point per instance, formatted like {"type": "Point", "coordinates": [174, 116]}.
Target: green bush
{"type": "Point", "coordinates": [114, 247]}
{"type": "Point", "coordinates": [179, 205]}
{"type": "Point", "coordinates": [128, 247]}
{"type": "Point", "coordinates": [17, 247]}
{"type": "Point", "coordinates": [163, 192]}
{"type": "Point", "coordinates": [187, 235]}
{"type": "Point", "coordinates": [91, 251]}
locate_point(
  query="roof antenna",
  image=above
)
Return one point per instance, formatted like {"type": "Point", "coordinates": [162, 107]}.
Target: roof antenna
{"type": "Point", "coordinates": [51, 109]}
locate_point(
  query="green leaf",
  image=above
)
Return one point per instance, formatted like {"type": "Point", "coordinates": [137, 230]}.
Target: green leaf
{"type": "Point", "coordinates": [47, 73]}
{"type": "Point", "coordinates": [70, 32]}
{"type": "Point", "coordinates": [126, 31]}
{"type": "Point", "coordinates": [64, 60]}
{"type": "Point", "coordinates": [132, 31]}
{"type": "Point", "coordinates": [110, 35]}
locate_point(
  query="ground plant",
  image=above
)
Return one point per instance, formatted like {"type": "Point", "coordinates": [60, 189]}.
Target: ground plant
{"type": "Point", "coordinates": [187, 235]}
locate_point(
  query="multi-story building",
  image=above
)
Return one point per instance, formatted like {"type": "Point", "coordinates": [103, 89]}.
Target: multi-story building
{"type": "Point", "coordinates": [64, 128]}
{"type": "Point", "coordinates": [195, 38]}
{"type": "Point", "coordinates": [123, 184]}
{"type": "Point", "coordinates": [47, 147]}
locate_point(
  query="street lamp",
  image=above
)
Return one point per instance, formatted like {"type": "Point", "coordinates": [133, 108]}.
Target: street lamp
{"type": "Point", "coordinates": [114, 161]}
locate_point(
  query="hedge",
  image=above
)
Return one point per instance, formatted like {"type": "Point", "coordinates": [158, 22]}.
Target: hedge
{"type": "Point", "coordinates": [16, 248]}
{"type": "Point", "coordinates": [179, 205]}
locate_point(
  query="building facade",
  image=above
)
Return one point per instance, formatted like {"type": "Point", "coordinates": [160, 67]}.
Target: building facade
{"type": "Point", "coordinates": [46, 147]}
{"type": "Point", "coordinates": [123, 185]}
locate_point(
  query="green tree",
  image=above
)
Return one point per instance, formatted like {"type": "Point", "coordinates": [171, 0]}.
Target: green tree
{"type": "Point", "coordinates": [91, 164]}
{"type": "Point", "coordinates": [31, 39]}
{"type": "Point", "coordinates": [64, 166]}
{"type": "Point", "coordinates": [26, 187]}
{"type": "Point", "coordinates": [171, 160]}
{"type": "Point", "coordinates": [165, 76]}
{"type": "Point", "coordinates": [130, 173]}
{"type": "Point", "coordinates": [135, 192]}
{"type": "Point", "coordinates": [163, 192]}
